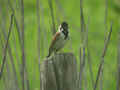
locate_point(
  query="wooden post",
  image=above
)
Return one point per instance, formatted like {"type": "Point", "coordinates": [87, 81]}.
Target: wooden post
{"type": "Point", "coordinates": [59, 72]}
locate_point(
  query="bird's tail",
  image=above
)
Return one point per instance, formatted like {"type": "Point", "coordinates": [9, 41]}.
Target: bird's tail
{"type": "Point", "coordinates": [48, 55]}
{"type": "Point", "coordinates": [50, 51]}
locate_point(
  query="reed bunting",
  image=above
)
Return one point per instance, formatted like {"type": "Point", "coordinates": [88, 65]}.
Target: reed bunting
{"type": "Point", "coordinates": [59, 39]}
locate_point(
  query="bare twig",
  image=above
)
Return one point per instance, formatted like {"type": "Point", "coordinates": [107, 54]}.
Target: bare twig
{"type": "Point", "coordinates": [26, 79]}
{"type": "Point", "coordinates": [107, 41]}
{"type": "Point", "coordinates": [12, 63]}
{"type": "Point", "coordinates": [16, 22]}
{"type": "Point", "coordinates": [90, 66]}
{"type": "Point", "coordinates": [19, 36]}
{"type": "Point", "coordinates": [52, 15]}
{"type": "Point", "coordinates": [103, 55]}
{"type": "Point", "coordinates": [39, 33]}
{"type": "Point", "coordinates": [9, 71]}
{"type": "Point", "coordinates": [89, 56]}
{"type": "Point", "coordinates": [82, 16]}
{"type": "Point", "coordinates": [1, 41]}
{"type": "Point", "coordinates": [2, 49]}
{"type": "Point", "coordinates": [16, 51]}
{"type": "Point", "coordinates": [10, 55]}
{"type": "Point", "coordinates": [23, 50]}
{"type": "Point", "coordinates": [18, 31]}
{"type": "Point", "coordinates": [82, 65]}
{"type": "Point", "coordinates": [24, 69]}
{"type": "Point", "coordinates": [82, 59]}
{"type": "Point", "coordinates": [118, 67]}
{"type": "Point", "coordinates": [105, 32]}
{"type": "Point", "coordinates": [105, 18]}
{"type": "Point", "coordinates": [6, 47]}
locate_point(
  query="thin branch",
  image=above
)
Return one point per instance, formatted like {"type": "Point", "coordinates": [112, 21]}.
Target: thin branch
{"type": "Point", "coordinates": [16, 51]}
{"type": "Point", "coordinates": [105, 18]}
{"type": "Point", "coordinates": [26, 79]}
{"type": "Point", "coordinates": [82, 65]}
{"type": "Point", "coordinates": [118, 67]}
{"type": "Point", "coordinates": [105, 23]}
{"type": "Point", "coordinates": [16, 22]}
{"type": "Point", "coordinates": [82, 16]}
{"type": "Point", "coordinates": [2, 49]}
{"type": "Point", "coordinates": [10, 55]}
{"type": "Point", "coordinates": [85, 41]}
{"type": "Point", "coordinates": [82, 59]}
{"type": "Point", "coordinates": [23, 50]}
{"type": "Point", "coordinates": [107, 42]}
{"type": "Point", "coordinates": [24, 69]}
{"type": "Point", "coordinates": [43, 45]}
{"type": "Point", "coordinates": [6, 47]}
{"type": "Point", "coordinates": [103, 55]}
{"type": "Point", "coordinates": [90, 66]}
{"type": "Point", "coordinates": [105, 32]}
{"type": "Point", "coordinates": [89, 56]}
{"type": "Point", "coordinates": [52, 16]}
{"type": "Point", "coordinates": [39, 33]}
{"type": "Point", "coordinates": [85, 80]}
{"type": "Point", "coordinates": [18, 32]}
{"type": "Point", "coordinates": [19, 36]}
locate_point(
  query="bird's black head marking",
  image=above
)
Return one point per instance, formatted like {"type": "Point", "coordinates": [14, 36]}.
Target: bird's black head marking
{"type": "Point", "coordinates": [64, 25]}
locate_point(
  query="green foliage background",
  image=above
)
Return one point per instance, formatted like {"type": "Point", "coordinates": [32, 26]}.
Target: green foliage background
{"type": "Point", "coordinates": [64, 10]}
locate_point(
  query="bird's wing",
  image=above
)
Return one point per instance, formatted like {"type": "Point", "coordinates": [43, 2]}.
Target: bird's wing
{"type": "Point", "coordinates": [56, 37]}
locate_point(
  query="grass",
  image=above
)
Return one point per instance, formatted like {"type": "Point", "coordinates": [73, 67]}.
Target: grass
{"type": "Point", "coordinates": [70, 12]}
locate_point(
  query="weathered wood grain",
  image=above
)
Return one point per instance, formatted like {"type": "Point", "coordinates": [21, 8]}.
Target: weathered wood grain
{"type": "Point", "coordinates": [59, 72]}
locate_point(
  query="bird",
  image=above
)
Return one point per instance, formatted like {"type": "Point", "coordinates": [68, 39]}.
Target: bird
{"type": "Point", "coordinates": [59, 39]}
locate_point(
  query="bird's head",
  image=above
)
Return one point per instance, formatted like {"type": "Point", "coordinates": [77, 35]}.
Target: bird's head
{"type": "Point", "coordinates": [63, 26]}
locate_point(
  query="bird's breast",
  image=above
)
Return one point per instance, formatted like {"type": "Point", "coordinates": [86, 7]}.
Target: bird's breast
{"type": "Point", "coordinates": [61, 42]}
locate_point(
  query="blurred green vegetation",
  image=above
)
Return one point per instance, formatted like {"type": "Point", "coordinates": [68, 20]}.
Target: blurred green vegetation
{"type": "Point", "coordinates": [64, 10]}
